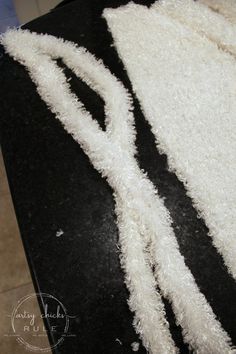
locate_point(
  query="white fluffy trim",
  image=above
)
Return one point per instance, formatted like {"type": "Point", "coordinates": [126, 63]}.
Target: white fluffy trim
{"type": "Point", "coordinates": [142, 217]}
{"type": "Point", "coordinates": [111, 152]}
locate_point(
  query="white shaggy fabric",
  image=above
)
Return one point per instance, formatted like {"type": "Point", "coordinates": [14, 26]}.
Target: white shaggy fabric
{"type": "Point", "coordinates": [142, 218]}
{"type": "Point", "coordinates": [201, 19]}
{"type": "Point", "coordinates": [225, 7]}
{"type": "Point", "coordinates": [103, 148]}
{"type": "Point", "coordinates": [187, 90]}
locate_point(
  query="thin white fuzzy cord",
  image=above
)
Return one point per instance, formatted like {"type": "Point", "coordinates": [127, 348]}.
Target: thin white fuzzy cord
{"type": "Point", "coordinates": [132, 258]}
{"type": "Point", "coordinates": [201, 329]}
{"type": "Point", "coordinates": [103, 150]}
{"type": "Point", "coordinates": [116, 97]}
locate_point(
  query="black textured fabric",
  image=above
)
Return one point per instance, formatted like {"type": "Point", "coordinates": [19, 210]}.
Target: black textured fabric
{"type": "Point", "coordinates": [55, 187]}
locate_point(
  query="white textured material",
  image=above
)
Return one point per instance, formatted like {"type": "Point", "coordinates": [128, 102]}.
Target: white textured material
{"type": "Point", "coordinates": [225, 7]}
{"type": "Point", "coordinates": [202, 20]}
{"type": "Point", "coordinates": [187, 89]}
{"type": "Point", "coordinates": [146, 235]}
{"type": "Point", "coordinates": [111, 152]}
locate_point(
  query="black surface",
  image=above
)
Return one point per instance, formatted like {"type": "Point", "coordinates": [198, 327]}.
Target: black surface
{"type": "Point", "coordinates": [55, 187]}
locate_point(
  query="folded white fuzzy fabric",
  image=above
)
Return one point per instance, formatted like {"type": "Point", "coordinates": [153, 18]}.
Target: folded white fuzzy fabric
{"type": "Point", "coordinates": [187, 90]}
{"type": "Point", "coordinates": [186, 87]}
{"type": "Point", "coordinates": [225, 7]}
{"type": "Point", "coordinates": [201, 19]}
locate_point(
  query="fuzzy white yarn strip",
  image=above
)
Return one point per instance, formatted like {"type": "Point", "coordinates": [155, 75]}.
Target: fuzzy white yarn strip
{"type": "Point", "coordinates": [225, 7]}
{"type": "Point", "coordinates": [142, 216]}
{"type": "Point", "coordinates": [201, 19]}
{"type": "Point", "coordinates": [111, 153]}
{"type": "Point", "coordinates": [186, 87]}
